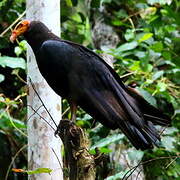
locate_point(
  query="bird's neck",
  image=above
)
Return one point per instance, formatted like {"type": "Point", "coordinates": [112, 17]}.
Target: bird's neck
{"type": "Point", "coordinates": [36, 40]}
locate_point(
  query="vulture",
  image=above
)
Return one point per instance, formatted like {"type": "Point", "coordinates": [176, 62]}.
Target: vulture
{"type": "Point", "coordinates": [82, 77]}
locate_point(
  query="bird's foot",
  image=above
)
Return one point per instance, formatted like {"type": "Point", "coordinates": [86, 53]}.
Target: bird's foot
{"type": "Point", "coordinates": [63, 124]}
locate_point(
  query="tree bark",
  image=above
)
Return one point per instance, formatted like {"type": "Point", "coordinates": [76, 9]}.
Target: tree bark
{"type": "Point", "coordinates": [78, 163]}
{"type": "Point", "coordinates": [41, 138]}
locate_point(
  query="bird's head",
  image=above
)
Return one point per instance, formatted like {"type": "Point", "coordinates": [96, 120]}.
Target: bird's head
{"type": "Point", "coordinates": [20, 29]}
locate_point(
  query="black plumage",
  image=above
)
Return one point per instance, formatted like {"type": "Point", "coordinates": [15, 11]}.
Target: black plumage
{"type": "Point", "coordinates": [83, 78]}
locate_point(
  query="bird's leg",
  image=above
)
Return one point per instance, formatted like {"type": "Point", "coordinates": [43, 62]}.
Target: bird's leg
{"type": "Point", "coordinates": [73, 109]}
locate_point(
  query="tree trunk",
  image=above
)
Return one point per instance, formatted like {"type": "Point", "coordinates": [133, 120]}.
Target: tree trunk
{"type": "Point", "coordinates": [41, 138]}
{"type": "Point", "coordinates": [78, 162]}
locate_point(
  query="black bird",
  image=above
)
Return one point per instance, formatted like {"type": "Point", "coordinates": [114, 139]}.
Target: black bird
{"type": "Point", "coordinates": [83, 78]}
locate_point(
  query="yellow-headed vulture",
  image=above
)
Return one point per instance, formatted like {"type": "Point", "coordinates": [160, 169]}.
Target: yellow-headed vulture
{"type": "Point", "coordinates": [83, 78]}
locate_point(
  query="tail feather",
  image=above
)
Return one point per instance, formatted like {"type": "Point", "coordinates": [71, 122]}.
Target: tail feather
{"type": "Point", "coordinates": [141, 138]}
{"type": "Point", "coordinates": [150, 113]}
{"type": "Point", "coordinates": [121, 108]}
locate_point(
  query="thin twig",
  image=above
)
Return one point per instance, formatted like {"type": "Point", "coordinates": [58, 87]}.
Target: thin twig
{"type": "Point", "coordinates": [65, 111]}
{"type": "Point", "coordinates": [138, 174]}
{"type": "Point", "coordinates": [145, 162]}
{"type": "Point", "coordinates": [9, 27]}
{"type": "Point", "coordinates": [132, 169]}
{"type": "Point", "coordinates": [171, 162]}
{"type": "Point", "coordinates": [128, 74]}
{"type": "Point", "coordinates": [42, 101]}
{"type": "Point", "coordinates": [57, 159]}
{"type": "Point", "coordinates": [11, 120]}
{"type": "Point", "coordinates": [35, 112]}
{"type": "Point", "coordinates": [13, 159]}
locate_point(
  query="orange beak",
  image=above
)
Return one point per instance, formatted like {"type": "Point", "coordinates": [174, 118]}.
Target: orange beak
{"type": "Point", "coordinates": [20, 29]}
{"type": "Point", "coordinates": [13, 36]}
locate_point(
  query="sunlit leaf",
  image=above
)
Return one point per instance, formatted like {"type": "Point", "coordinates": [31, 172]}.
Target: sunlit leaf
{"type": "Point", "coordinates": [170, 130]}
{"type": "Point", "coordinates": [101, 150]}
{"type": "Point", "coordinates": [161, 86]}
{"type": "Point", "coordinates": [12, 62]}
{"type": "Point", "coordinates": [140, 54]}
{"type": "Point", "coordinates": [129, 35]}
{"type": "Point", "coordinates": [108, 140]}
{"type": "Point", "coordinates": [148, 12]}
{"type": "Point", "coordinates": [157, 75]}
{"type": "Point", "coordinates": [119, 175]}
{"type": "Point", "coordinates": [69, 3]}
{"type": "Point", "coordinates": [127, 46]}
{"type": "Point", "coordinates": [18, 50]}
{"type": "Point", "coordinates": [39, 170]}
{"type": "Point", "coordinates": [6, 122]}
{"type": "Point", "coordinates": [168, 142]}
{"type": "Point", "coordinates": [145, 37]}
{"type": "Point", "coordinates": [76, 17]}
{"type": "Point", "coordinates": [162, 2]}
{"type": "Point", "coordinates": [2, 77]}
{"type": "Point", "coordinates": [135, 155]}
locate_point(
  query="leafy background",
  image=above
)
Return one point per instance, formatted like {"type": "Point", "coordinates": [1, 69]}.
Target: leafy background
{"type": "Point", "coordinates": [146, 56]}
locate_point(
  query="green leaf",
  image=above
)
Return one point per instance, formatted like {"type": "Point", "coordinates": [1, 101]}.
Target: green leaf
{"type": "Point", "coordinates": [2, 77]}
{"type": "Point", "coordinates": [161, 2]}
{"type": "Point", "coordinates": [170, 130]}
{"type": "Point", "coordinates": [135, 66]}
{"type": "Point", "coordinates": [140, 54]}
{"type": "Point", "coordinates": [166, 55]}
{"type": "Point", "coordinates": [12, 62]}
{"type": "Point", "coordinates": [69, 3]}
{"type": "Point", "coordinates": [157, 47]}
{"type": "Point", "coordinates": [144, 63]}
{"type": "Point", "coordinates": [119, 175]}
{"type": "Point", "coordinates": [102, 150]}
{"type": "Point", "coordinates": [108, 140]}
{"type": "Point", "coordinates": [135, 155]}
{"type": "Point", "coordinates": [106, 1]}
{"type": "Point", "coordinates": [161, 86]}
{"type": "Point", "coordinates": [145, 37]}
{"type": "Point", "coordinates": [127, 46]}
{"type": "Point", "coordinates": [18, 50]}
{"type": "Point", "coordinates": [76, 17]}
{"type": "Point", "coordinates": [95, 3]}
{"type": "Point", "coordinates": [148, 97]}
{"type": "Point", "coordinates": [129, 35]}
{"type": "Point", "coordinates": [157, 75]}
{"type": "Point", "coordinates": [148, 12]}
{"type": "Point", "coordinates": [6, 122]}
{"type": "Point", "coordinates": [168, 142]}
{"type": "Point", "coordinates": [40, 170]}
{"type": "Point", "coordinates": [121, 14]}
{"type": "Point", "coordinates": [23, 44]}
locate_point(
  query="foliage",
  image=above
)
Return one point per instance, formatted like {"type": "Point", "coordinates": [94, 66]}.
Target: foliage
{"type": "Point", "coordinates": [147, 56]}
{"type": "Point", "coordinates": [149, 51]}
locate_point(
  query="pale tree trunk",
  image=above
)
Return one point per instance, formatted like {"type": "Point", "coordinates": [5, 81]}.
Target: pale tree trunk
{"type": "Point", "coordinates": [41, 140]}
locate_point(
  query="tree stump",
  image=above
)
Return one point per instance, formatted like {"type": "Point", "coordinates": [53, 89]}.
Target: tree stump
{"type": "Point", "coordinates": [81, 165]}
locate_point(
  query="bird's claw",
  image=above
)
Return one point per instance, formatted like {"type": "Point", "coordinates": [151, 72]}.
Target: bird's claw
{"type": "Point", "coordinates": [57, 132]}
